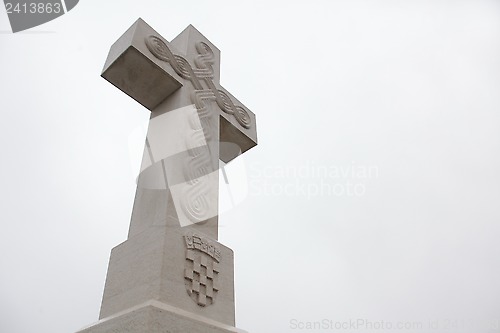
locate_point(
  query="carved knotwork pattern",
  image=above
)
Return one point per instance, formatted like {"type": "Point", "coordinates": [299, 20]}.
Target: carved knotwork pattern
{"type": "Point", "coordinates": [203, 72]}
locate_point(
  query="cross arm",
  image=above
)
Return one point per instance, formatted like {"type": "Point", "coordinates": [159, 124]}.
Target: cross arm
{"type": "Point", "coordinates": [134, 70]}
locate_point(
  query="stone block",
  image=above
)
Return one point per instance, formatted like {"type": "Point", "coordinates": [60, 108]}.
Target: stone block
{"type": "Point", "coordinates": [131, 68]}
{"type": "Point", "coordinates": [158, 317]}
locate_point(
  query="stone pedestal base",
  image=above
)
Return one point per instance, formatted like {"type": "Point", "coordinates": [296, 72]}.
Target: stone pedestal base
{"type": "Point", "coordinates": [157, 317]}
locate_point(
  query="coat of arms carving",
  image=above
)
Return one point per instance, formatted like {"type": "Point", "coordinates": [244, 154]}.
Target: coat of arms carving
{"type": "Point", "coordinates": [201, 272]}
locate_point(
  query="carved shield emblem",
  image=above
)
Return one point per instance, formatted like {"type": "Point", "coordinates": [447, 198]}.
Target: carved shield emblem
{"type": "Point", "coordinates": [201, 269]}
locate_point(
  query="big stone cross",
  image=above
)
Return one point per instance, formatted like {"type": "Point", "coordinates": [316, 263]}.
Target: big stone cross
{"type": "Point", "coordinates": [194, 123]}
{"type": "Point", "coordinates": [172, 243]}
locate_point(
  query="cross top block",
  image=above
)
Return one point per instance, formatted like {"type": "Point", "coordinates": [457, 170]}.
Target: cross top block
{"type": "Point", "coordinates": [151, 70]}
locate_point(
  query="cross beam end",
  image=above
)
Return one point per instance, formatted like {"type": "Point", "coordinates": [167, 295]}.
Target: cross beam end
{"type": "Point", "coordinates": [131, 68]}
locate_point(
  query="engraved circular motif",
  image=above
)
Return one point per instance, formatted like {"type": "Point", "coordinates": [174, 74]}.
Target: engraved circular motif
{"type": "Point", "coordinates": [195, 206]}
{"type": "Point", "coordinates": [227, 105]}
{"type": "Point", "coordinates": [158, 48]}
{"type": "Point", "coordinates": [243, 117]}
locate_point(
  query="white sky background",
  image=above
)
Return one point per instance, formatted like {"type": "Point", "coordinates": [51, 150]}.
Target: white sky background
{"type": "Point", "coordinates": [410, 88]}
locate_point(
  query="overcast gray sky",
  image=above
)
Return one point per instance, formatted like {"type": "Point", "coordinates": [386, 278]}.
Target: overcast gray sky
{"type": "Point", "coordinates": [373, 193]}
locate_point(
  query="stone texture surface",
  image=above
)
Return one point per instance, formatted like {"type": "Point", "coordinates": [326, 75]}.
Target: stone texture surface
{"type": "Point", "coordinates": [151, 265]}
{"type": "Point", "coordinates": [156, 317]}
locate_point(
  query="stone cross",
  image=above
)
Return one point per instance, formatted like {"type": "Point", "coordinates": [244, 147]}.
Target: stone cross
{"type": "Point", "coordinates": [172, 274]}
